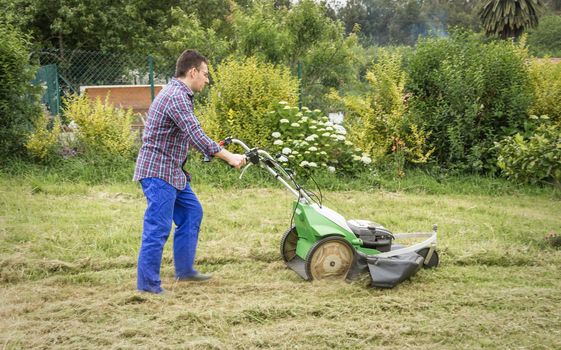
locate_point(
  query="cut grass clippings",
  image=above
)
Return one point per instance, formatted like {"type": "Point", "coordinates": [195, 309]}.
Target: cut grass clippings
{"type": "Point", "coordinates": [68, 273]}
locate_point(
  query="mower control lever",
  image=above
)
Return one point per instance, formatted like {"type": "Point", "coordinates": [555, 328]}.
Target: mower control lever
{"type": "Point", "coordinates": [252, 155]}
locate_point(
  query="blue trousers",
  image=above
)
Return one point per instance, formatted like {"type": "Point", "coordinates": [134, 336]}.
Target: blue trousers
{"type": "Point", "coordinates": [167, 204]}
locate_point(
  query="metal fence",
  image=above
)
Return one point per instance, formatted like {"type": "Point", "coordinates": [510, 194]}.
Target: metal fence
{"type": "Point", "coordinates": [64, 72]}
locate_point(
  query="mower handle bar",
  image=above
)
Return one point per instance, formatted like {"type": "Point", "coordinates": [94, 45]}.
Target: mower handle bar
{"type": "Point", "coordinates": [265, 160]}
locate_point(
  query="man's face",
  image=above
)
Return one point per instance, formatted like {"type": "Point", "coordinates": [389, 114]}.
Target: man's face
{"type": "Point", "coordinates": [200, 77]}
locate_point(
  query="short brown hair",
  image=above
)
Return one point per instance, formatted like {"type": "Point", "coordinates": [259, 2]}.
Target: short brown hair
{"type": "Point", "coordinates": [187, 60]}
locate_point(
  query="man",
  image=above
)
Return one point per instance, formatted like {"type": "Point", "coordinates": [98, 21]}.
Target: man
{"type": "Point", "coordinates": [171, 127]}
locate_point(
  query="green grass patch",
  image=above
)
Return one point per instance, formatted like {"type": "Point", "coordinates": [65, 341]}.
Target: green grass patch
{"type": "Point", "coordinates": [86, 172]}
{"type": "Point", "coordinates": [68, 252]}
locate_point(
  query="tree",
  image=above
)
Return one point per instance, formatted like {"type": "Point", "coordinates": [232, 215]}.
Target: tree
{"type": "Point", "coordinates": [545, 39]}
{"type": "Point", "coordinates": [408, 23]}
{"type": "Point", "coordinates": [303, 34]}
{"type": "Point", "coordinates": [261, 32]}
{"type": "Point", "coordinates": [373, 16]}
{"type": "Point", "coordinates": [441, 15]}
{"type": "Point", "coordinates": [187, 32]}
{"type": "Point", "coordinates": [19, 107]}
{"type": "Point", "coordinates": [509, 18]}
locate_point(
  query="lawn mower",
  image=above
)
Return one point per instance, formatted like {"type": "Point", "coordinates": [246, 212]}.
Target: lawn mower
{"type": "Point", "coordinates": [321, 244]}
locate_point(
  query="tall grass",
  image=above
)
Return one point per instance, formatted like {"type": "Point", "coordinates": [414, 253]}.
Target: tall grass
{"type": "Point", "coordinates": [217, 174]}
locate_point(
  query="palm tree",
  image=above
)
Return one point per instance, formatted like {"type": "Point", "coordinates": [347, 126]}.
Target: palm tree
{"type": "Point", "coordinates": [509, 18]}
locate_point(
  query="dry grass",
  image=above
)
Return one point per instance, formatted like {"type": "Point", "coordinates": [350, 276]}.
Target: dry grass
{"type": "Point", "coordinates": [68, 259]}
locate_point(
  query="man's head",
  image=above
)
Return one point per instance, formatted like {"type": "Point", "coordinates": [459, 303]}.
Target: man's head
{"type": "Point", "coordinates": [192, 69]}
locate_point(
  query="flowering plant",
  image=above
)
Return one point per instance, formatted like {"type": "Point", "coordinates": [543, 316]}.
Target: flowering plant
{"type": "Point", "coordinates": [309, 142]}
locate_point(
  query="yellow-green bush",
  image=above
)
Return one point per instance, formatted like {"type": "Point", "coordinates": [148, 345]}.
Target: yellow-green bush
{"type": "Point", "coordinates": [103, 130]}
{"type": "Point", "coordinates": [376, 120]}
{"type": "Point", "coordinates": [545, 77]}
{"type": "Point", "coordinates": [240, 97]}
{"type": "Point", "coordinates": [43, 144]}
{"type": "Point", "coordinates": [375, 117]}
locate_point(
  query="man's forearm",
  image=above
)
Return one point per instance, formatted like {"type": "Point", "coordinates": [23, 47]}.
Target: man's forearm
{"type": "Point", "coordinates": [235, 160]}
{"type": "Point", "coordinates": [224, 154]}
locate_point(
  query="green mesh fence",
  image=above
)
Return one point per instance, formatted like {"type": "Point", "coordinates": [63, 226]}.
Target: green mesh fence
{"type": "Point", "coordinates": [77, 68]}
{"type": "Point", "coordinates": [47, 78]}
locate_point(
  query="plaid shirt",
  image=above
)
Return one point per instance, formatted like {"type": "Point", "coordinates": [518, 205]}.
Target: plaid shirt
{"type": "Point", "coordinates": [171, 127]}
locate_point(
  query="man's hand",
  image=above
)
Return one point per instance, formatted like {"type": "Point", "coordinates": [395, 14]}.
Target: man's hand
{"type": "Point", "coordinates": [237, 160]}
{"type": "Point", "coordinates": [234, 159]}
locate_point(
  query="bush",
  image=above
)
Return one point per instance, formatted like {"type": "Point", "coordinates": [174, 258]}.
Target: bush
{"type": "Point", "coordinates": [376, 118]}
{"type": "Point", "coordinates": [545, 78]}
{"type": "Point", "coordinates": [240, 97]}
{"type": "Point", "coordinates": [102, 130]}
{"type": "Point", "coordinates": [43, 144]}
{"type": "Point", "coordinates": [309, 141]}
{"type": "Point", "coordinates": [533, 159]}
{"type": "Point", "coordinates": [19, 107]}
{"type": "Point", "coordinates": [545, 40]}
{"type": "Point", "coordinates": [468, 94]}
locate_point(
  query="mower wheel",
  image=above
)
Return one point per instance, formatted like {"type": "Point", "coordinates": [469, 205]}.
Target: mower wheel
{"type": "Point", "coordinates": [434, 259]}
{"type": "Point", "coordinates": [331, 257]}
{"type": "Point", "coordinates": [288, 244]}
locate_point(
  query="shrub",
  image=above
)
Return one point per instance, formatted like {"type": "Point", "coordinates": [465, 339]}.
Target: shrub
{"type": "Point", "coordinates": [533, 159]}
{"type": "Point", "coordinates": [545, 78]}
{"type": "Point", "coordinates": [468, 94]}
{"type": "Point", "coordinates": [376, 118]}
{"type": "Point", "coordinates": [19, 107]}
{"type": "Point", "coordinates": [309, 141]}
{"type": "Point", "coordinates": [43, 144]}
{"type": "Point", "coordinates": [240, 97]}
{"type": "Point", "coordinates": [102, 129]}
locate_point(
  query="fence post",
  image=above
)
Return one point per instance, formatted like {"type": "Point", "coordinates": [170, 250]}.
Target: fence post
{"type": "Point", "coordinates": [57, 90]}
{"type": "Point", "coordinates": [151, 75]}
{"type": "Point", "coordinates": [300, 87]}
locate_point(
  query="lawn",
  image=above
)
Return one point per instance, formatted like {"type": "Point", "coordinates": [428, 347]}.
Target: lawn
{"type": "Point", "coordinates": [68, 267]}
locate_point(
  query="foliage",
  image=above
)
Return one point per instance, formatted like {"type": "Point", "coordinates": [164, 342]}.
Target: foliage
{"type": "Point", "coordinates": [545, 78]}
{"type": "Point", "coordinates": [188, 32]}
{"type": "Point", "coordinates": [43, 143]}
{"type": "Point", "coordinates": [102, 130]}
{"type": "Point", "coordinates": [101, 25]}
{"type": "Point", "coordinates": [509, 18]}
{"type": "Point", "coordinates": [376, 119]}
{"type": "Point", "coordinates": [468, 94]}
{"type": "Point", "coordinates": [242, 93]}
{"type": "Point", "coordinates": [19, 106]}
{"type": "Point", "coordinates": [302, 34]}
{"type": "Point", "coordinates": [385, 22]}
{"type": "Point", "coordinates": [545, 39]}
{"type": "Point", "coordinates": [261, 32]}
{"type": "Point", "coordinates": [535, 158]}
{"type": "Point", "coordinates": [309, 141]}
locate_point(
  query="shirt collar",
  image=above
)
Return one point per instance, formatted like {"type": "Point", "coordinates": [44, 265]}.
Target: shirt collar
{"type": "Point", "coordinates": [183, 86]}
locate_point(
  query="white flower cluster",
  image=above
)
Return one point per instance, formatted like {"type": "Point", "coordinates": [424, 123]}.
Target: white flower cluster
{"type": "Point", "coordinates": [305, 164]}
{"type": "Point", "coordinates": [310, 139]}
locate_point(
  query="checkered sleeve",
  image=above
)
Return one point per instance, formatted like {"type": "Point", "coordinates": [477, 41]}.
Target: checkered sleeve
{"type": "Point", "coordinates": [184, 117]}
